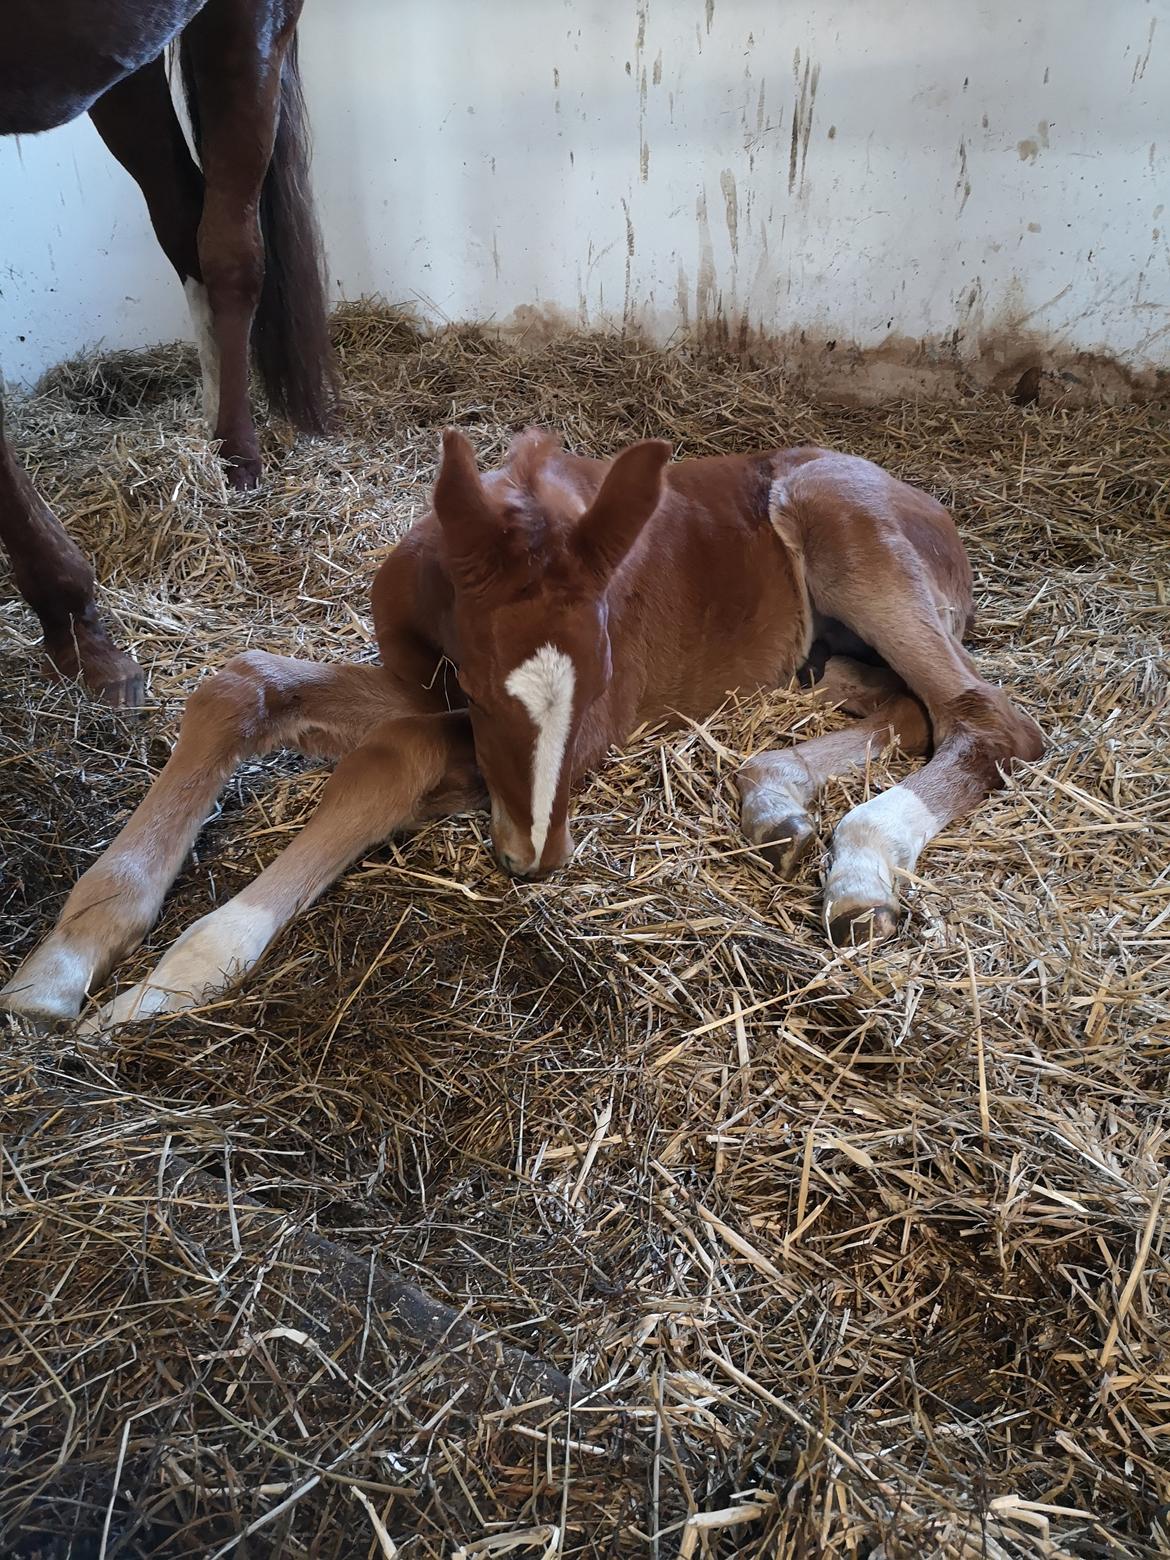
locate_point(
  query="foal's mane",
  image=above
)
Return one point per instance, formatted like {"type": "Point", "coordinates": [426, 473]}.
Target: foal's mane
{"type": "Point", "coordinates": [528, 453]}
{"type": "Point", "coordinates": [538, 506]}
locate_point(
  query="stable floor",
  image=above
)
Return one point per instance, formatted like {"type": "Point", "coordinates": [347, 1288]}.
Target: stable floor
{"type": "Point", "coordinates": [870, 1251]}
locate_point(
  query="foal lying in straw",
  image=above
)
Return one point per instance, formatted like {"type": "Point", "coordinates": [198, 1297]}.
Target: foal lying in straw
{"type": "Point", "coordinates": [531, 620]}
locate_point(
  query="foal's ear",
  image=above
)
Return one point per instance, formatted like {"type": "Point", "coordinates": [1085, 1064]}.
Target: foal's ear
{"type": "Point", "coordinates": [459, 501]}
{"type": "Point", "coordinates": [628, 497]}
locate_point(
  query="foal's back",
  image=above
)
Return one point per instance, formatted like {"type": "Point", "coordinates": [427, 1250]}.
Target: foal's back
{"type": "Point", "coordinates": [726, 587]}
{"type": "Point", "coordinates": [734, 577]}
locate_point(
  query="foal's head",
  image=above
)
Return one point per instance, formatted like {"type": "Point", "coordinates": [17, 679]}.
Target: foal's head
{"type": "Point", "coordinates": [530, 562]}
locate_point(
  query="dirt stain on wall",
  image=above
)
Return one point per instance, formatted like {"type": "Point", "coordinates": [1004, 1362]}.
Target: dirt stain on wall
{"type": "Point", "coordinates": [643, 89]}
{"type": "Point", "coordinates": [706, 288]}
{"type": "Point", "coordinates": [1031, 146]}
{"type": "Point", "coordinates": [963, 183]}
{"type": "Point", "coordinates": [626, 306]}
{"type": "Point", "coordinates": [1139, 69]}
{"type": "Point", "coordinates": [807, 82]}
{"type": "Point", "coordinates": [682, 299]}
{"type": "Point", "coordinates": [731, 207]}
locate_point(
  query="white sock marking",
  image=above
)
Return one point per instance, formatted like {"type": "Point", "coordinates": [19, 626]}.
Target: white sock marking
{"type": "Point", "coordinates": [544, 685]}
{"type": "Point", "coordinates": [882, 836]}
{"type": "Point", "coordinates": [212, 954]}
{"type": "Point", "coordinates": [208, 351]}
{"type": "Point", "coordinates": [51, 983]}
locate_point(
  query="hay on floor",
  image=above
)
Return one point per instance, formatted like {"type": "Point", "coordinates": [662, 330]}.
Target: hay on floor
{"type": "Point", "coordinates": [872, 1251]}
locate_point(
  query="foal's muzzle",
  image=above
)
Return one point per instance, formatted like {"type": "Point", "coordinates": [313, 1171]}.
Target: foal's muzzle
{"type": "Point", "coordinates": [513, 848]}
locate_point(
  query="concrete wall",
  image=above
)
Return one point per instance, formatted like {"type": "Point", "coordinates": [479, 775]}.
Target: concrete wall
{"type": "Point", "coordinates": [959, 171]}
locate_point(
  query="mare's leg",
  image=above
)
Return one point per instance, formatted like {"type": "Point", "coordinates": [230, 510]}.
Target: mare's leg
{"type": "Point", "coordinates": [778, 789]}
{"type": "Point", "coordinates": [256, 703]}
{"type": "Point", "coordinates": [975, 730]}
{"type": "Point", "coordinates": [408, 769]}
{"type": "Point", "coordinates": [55, 578]}
{"type": "Point", "coordinates": [137, 121]}
{"type": "Point", "coordinates": [236, 64]}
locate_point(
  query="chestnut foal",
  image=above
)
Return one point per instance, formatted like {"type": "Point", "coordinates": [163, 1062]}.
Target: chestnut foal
{"type": "Point", "coordinates": [531, 620]}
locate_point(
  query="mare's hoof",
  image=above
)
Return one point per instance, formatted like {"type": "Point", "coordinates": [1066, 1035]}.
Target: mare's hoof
{"type": "Point", "coordinates": [121, 685]}
{"type": "Point", "coordinates": [243, 473]}
{"type": "Point", "coordinates": [106, 671]}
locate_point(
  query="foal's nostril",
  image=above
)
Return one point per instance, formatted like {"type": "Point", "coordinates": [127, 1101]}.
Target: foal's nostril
{"type": "Point", "coordinates": [511, 864]}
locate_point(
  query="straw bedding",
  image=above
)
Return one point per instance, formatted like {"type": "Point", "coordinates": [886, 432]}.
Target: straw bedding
{"type": "Point", "coordinates": [867, 1253]}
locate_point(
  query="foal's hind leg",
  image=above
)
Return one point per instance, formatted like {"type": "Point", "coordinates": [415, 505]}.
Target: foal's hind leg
{"type": "Point", "coordinates": [55, 578]}
{"type": "Point", "coordinates": [256, 703]}
{"type": "Point", "coordinates": [408, 769]}
{"type": "Point", "coordinates": [975, 730]}
{"type": "Point", "coordinates": [778, 789]}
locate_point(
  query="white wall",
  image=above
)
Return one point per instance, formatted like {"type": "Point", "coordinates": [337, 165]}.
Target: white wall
{"type": "Point", "coordinates": [78, 260]}
{"type": "Point", "coordinates": [979, 166]}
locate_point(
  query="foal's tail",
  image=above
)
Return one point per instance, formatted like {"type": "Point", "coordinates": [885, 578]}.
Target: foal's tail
{"type": "Point", "coordinates": [290, 333]}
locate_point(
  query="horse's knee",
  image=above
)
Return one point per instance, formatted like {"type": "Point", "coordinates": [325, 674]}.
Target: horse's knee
{"type": "Point", "coordinates": [994, 733]}
{"type": "Point", "coordinates": [255, 666]}
{"type": "Point", "coordinates": [236, 699]}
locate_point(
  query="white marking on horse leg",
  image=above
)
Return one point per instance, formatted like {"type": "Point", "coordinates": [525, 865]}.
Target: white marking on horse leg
{"type": "Point", "coordinates": [775, 790]}
{"type": "Point", "coordinates": [771, 786]}
{"type": "Point", "coordinates": [871, 845]}
{"type": "Point", "coordinates": [211, 956]}
{"type": "Point", "coordinates": [107, 912]}
{"type": "Point", "coordinates": [208, 350]}
{"type": "Point", "coordinates": [544, 685]}
{"type": "Point", "coordinates": [51, 984]}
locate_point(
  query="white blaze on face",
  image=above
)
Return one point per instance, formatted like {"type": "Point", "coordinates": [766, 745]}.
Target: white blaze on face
{"type": "Point", "coordinates": [208, 351]}
{"type": "Point", "coordinates": [544, 685]}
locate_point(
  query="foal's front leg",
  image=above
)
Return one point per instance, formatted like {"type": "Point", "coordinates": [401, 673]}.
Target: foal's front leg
{"type": "Point", "coordinates": [976, 733]}
{"type": "Point", "coordinates": [256, 703]}
{"type": "Point", "coordinates": [408, 769]}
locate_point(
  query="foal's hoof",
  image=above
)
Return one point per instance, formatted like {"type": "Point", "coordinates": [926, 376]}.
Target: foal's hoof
{"type": "Point", "coordinates": [34, 1009]}
{"type": "Point", "coordinates": [213, 955]}
{"type": "Point", "coordinates": [47, 990]}
{"type": "Point", "coordinates": [784, 845]}
{"type": "Point", "coordinates": [858, 925]}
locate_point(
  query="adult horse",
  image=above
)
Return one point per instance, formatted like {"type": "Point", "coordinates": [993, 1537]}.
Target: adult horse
{"type": "Point", "coordinates": [237, 226]}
